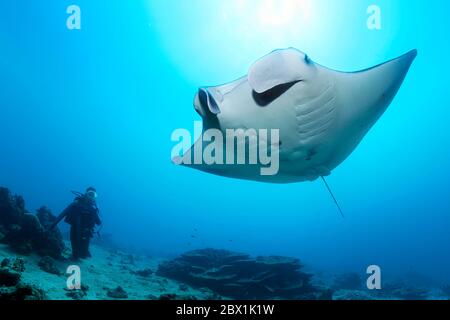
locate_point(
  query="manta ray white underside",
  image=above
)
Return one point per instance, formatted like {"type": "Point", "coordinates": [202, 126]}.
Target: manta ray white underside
{"type": "Point", "coordinates": [322, 114]}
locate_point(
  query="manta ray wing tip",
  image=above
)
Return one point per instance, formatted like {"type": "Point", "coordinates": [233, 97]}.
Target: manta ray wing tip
{"type": "Point", "coordinates": [413, 53]}
{"type": "Point", "coordinates": [177, 160]}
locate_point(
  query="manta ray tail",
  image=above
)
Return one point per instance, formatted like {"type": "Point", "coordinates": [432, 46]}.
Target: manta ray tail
{"type": "Point", "coordinates": [334, 198]}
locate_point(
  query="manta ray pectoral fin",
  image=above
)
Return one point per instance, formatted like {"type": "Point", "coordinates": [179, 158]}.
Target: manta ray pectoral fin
{"type": "Point", "coordinates": [277, 68]}
{"type": "Point", "coordinates": [332, 195]}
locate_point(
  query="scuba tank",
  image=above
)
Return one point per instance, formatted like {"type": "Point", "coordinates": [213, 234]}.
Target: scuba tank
{"type": "Point", "coordinates": [79, 196]}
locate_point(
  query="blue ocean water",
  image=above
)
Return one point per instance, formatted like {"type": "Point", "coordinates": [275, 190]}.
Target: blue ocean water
{"type": "Point", "coordinates": [97, 106]}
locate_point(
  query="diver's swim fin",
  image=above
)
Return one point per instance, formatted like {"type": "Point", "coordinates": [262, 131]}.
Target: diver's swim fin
{"type": "Point", "coordinates": [334, 198]}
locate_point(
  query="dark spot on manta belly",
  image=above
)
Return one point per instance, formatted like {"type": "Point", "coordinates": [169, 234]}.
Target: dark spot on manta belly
{"type": "Point", "coordinates": [266, 98]}
{"type": "Point", "coordinates": [311, 154]}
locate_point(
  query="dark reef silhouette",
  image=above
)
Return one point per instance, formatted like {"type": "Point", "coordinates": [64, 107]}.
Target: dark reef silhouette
{"type": "Point", "coordinates": [25, 232]}
{"type": "Point", "coordinates": [240, 276]}
{"type": "Point", "coordinates": [29, 251]}
{"type": "Point", "coordinates": [11, 286]}
{"type": "Point", "coordinates": [348, 281]}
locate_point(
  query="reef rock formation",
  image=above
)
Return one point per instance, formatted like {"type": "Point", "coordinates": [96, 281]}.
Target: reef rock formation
{"type": "Point", "coordinates": [51, 243]}
{"type": "Point", "coordinates": [174, 296]}
{"type": "Point", "coordinates": [404, 291]}
{"type": "Point", "coordinates": [25, 232]}
{"type": "Point", "coordinates": [48, 264]}
{"type": "Point", "coordinates": [79, 294]}
{"type": "Point", "coordinates": [11, 271]}
{"type": "Point", "coordinates": [445, 289]}
{"type": "Point", "coordinates": [22, 292]}
{"type": "Point", "coordinates": [147, 272]}
{"type": "Point", "coordinates": [9, 277]}
{"type": "Point", "coordinates": [357, 295]}
{"type": "Point", "coordinates": [347, 281]}
{"type": "Point", "coordinates": [11, 287]}
{"type": "Point", "coordinates": [240, 276]}
{"type": "Point", "coordinates": [16, 264]}
{"type": "Point", "coordinates": [117, 293]}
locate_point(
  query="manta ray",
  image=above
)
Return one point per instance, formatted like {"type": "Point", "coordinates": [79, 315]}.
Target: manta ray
{"type": "Point", "coordinates": [322, 115]}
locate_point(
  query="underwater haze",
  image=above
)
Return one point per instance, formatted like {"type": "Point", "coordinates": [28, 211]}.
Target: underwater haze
{"type": "Point", "coordinates": [97, 106]}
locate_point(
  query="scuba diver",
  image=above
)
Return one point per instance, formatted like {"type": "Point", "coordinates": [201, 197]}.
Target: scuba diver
{"type": "Point", "coordinates": [82, 215]}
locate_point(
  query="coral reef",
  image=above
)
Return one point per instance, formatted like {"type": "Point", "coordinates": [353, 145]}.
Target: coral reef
{"type": "Point", "coordinates": [51, 242]}
{"type": "Point", "coordinates": [403, 291]}
{"type": "Point", "coordinates": [183, 287]}
{"type": "Point", "coordinates": [25, 232]}
{"type": "Point", "coordinates": [11, 287]}
{"type": "Point", "coordinates": [207, 274]}
{"type": "Point", "coordinates": [174, 296]}
{"type": "Point", "coordinates": [147, 272]}
{"type": "Point", "coordinates": [9, 277]}
{"type": "Point", "coordinates": [22, 292]}
{"type": "Point", "coordinates": [11, 271]}
{"type": "Point", "coordinates": [48, 264]}
{"type": "Point", "coordinates": [352, 295]}
{"type": "Point", "coordinates": [128, 259]}
{"type": "Point", "coordinates": [78, 294]}
{"type": "Point", "coordinates": [16, 264]}
{"type": "Point", "coordinates": [347, 281]}
{"type": "Point", "coordinates": [445, 289]}
{"type": "Point", "coordinates": [117, 293]}
{"type": "Point", "coordinates": [240, 276]}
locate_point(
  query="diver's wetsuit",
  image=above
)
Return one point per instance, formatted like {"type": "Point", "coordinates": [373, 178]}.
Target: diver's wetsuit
{"type": "Point", "coordinates": [83, 216]}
